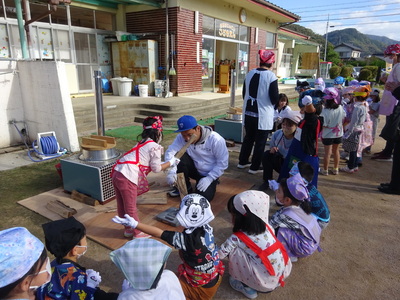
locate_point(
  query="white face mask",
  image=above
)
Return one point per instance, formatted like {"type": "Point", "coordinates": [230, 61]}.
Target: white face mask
{"type": "Point", "coordinates": [389, 60]}
{"type": "Point", "coordinates": [46, 270]}
{"type": "Point", "coordinates": [79, 255]}
{"type": "Point", "coordinates": [278, 202]}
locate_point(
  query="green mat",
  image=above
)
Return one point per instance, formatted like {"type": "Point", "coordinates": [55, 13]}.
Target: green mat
{"type": "Point", "coordinates": [131, 132]}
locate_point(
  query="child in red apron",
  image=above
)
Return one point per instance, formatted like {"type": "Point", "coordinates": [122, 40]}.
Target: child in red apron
{"type": "Point", "coordinates": [130, 171]}
{"type": "Point", "coordinates": [258, 262]}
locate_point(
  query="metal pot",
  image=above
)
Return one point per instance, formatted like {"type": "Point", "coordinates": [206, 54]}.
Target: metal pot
{"type": "Point", "coordinates": [234, 117]}
{"type": "Point", "coordinates": [98, 155]}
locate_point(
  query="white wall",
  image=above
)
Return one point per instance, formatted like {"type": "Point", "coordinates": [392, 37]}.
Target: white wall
{"type": "Point", "coordinates": [11, 107]}
{"type": "Point", "coordinates": [39, 95]}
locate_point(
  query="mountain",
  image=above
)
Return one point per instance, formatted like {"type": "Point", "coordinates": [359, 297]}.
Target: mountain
{"type": "Point", "coordinates": [369, 44]}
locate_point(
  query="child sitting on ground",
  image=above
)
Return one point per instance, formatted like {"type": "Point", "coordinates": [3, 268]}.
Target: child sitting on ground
{"type": "Point", "coordinates": [257, 260]}
{"type": "Point", "coordinates": [319, 207]}
{"type": "Point", "coordinates": [24, 265]}
{"type": "Point", "coordinates": [201, 272]}
{"type": "Point", "coordinates": [66, 240]}
{"type": "Point", "coordinates": [130, 171]}
{"type": "Point", "coordinates": [143, 261]}
{"type": "Point", "coordinates": [294, 225]}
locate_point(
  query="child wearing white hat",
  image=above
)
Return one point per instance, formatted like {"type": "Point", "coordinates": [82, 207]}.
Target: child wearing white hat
{"type": "Point", "coordinates": [143, 263]}
{"type": "Point", "coordinates": [24, 265]}
{"type": "Point", "coordinates": [201, 272]}
{"type": "Point", "coordinates": [257, 260]}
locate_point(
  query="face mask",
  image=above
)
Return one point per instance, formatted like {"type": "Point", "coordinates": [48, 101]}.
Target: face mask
{"type": "Point", "coordinates": [46, 270]}
{"type": "Point", "coordinates": [79, 255]}
{"type": "Point", "coordinates": [389, 60]}
{"type": "Point", "coordinates": [279, 203]}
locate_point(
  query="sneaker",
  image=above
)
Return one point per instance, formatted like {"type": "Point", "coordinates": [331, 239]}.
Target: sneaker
{"type": "Point", "coordinates": [347, 170]}
{"type": "Point", "coordinates": [355, 169]}
{"type": "Point", "coordinates": [378, 153]}
{"type": "Point", "coordinates": [382, 157]}
{"type": "Point", "coordinates": [293, 259]}
{"type": "Point", "coordinates": [240, 287]}
{"type": "Point", "coordinates": [174, 192]}
{"type": "Point", "coordinates": [335, 171]}
{"type": "Point", "coordinates": [142, 235]}
{"type": "Point", "coordinates": [323, 172]}
{"type": "Point", "coordinates": [128, 233]}
{"type": "Point", "coordinates": [243, 166]}
{"type": "Point", "coordinates": [250, 171]}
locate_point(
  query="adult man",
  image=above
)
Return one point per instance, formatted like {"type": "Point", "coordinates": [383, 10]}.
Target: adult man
{"type": "Point", "coordinates": [204, 161]}
{"type": "Point", "coordinates": [260, 94]}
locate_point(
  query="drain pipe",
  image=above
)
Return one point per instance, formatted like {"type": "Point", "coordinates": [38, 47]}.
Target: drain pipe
{"type": "Point", "coordinates": [233, 88]}
{"type": "Point", "coordinates": [166, 51]}
{"type": "Point", "coordinates": [24, 48]}
{"type": "Point", "coordinates": [99, 103]}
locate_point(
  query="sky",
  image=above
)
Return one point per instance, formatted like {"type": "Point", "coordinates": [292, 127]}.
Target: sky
{"type": "Point", "coordinates": [376, 17]}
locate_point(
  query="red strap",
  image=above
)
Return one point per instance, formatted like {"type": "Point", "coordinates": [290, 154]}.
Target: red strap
{"type": "Point", "coordinates": [263, 254]}
{"type": "Point", "coordinates": [137, 147]}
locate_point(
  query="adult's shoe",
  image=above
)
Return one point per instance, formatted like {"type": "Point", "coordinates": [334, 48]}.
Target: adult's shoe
{"type": "Point", "coordinates": [264, 186]}
{"type": "Point", "coordinates": [388, 190]}
{"type": "Point", "coordinates": [382, 157]}
{"type": "Point", "coordinates": [243, 166]}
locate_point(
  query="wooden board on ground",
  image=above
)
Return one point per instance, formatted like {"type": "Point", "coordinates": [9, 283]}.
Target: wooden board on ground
{"type": "Point", "coordinates": [97, 219]}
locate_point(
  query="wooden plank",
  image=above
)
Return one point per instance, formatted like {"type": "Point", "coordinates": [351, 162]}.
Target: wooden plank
{"type": "Point", "coordinates": [60, 208]}
{"type": "Point", "coordinates": [83, 198]}
{"type": "Point", "coordinates": [88, 142]}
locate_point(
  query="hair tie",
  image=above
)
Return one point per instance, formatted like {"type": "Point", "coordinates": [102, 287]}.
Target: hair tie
{"type": "Point", "coordinates": [156, 125]}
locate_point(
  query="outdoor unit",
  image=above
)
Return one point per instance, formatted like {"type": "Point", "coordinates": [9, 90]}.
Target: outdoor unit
{"type": "Point", "coordinates": [91, 178]}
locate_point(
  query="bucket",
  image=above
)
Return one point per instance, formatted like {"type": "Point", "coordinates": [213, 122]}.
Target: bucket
{"type": "Point", "coordinates": [143, 90]}
{"type": "Point", "coordinates": [125, 86]}
{"type": "Point", "coordinates": [114, 85]}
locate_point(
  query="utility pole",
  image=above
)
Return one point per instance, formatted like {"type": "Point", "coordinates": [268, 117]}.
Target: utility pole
{"type": "Point", "coordinates": [326, 38]}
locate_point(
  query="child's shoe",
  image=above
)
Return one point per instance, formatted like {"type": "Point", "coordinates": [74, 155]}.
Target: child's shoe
{"type": "Point", "coordinates": [142, 235]}
{"type": "Point", "coordinates": [240, 287]}
{"type": "Point", "coordinates": [347, 170]}
{"type": "Point", "coordinates": [128, 233]}
{"type": "Point", "coordinates": [323, 172]}
{"type": "Point", "coordinates": [335, 171]}
{"type": "Point", "coordinates": [293, 259]}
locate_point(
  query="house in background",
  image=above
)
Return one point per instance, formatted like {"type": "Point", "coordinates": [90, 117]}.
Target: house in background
{"type": "Point", "coordinates": [348, 51]}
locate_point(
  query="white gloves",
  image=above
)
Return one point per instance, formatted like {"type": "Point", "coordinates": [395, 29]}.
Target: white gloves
{"type": "Point", "coordinates": [128, 221]}
{"type": "Point", "coordinates": [273, 185]}
{"type": "Point", "coordinates": [204, 183]}
{"type": "Point", "coordinates": [93, 278]}
{"type": "Point", "coordinates": [171, 176]}
{"type": "Point", "coordinates": [306, 100]}
{"type": "Point", "coordinates": [125, 285]}
{"type": "Point", "coordinates": [174, 161]}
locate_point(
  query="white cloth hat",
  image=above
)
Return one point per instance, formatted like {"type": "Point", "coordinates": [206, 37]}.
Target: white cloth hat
{"type": "Point", "coordinates": [141, 260]}
{"type": "Point", "coordinates": [293, 115]}
{"type": "Point", "coordinates": [195, 211]}
{"type": "Point", "coordinates": [19, 251]}
{"type": "Point", "coordinates": [256, 201]}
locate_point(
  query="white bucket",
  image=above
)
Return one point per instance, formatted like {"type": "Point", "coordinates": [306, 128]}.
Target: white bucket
{"type": "Point", "coordinates": [125, 86]}
{"type": "Point", "coordinates": [143, 90]}
{"type": "Point", "coordinates": [114, 84]}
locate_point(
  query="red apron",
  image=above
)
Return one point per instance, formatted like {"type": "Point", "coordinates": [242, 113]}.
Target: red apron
{"type": "Point", "coordinates": [263, 254]}
{"type": "Point", "coordinates": [143, 184]}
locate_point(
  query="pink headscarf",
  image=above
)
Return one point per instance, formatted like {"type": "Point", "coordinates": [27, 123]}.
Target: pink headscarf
{"type": "Point", "coordinates": [392, 49]}
{"type": "Point", "coordinates": [266, 56]}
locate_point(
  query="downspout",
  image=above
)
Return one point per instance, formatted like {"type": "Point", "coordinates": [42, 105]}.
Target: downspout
{"type": "Point", "coordinates": [21, 29]}
{"type": "Point", "coordinates": [27, 17]}
{"type": "Point", "coordinates": [166, 51]}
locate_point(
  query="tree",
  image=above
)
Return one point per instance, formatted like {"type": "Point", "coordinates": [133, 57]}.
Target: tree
{"type": "Point", "coordinates": [332, 55]}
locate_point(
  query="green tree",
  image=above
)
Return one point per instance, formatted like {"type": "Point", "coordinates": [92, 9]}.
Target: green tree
{"type": "Point", "coordinates": [332, 55]}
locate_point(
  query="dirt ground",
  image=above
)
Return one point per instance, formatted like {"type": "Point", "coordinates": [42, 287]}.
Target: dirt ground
{"type": "Point", "coordinates": [359, 259]}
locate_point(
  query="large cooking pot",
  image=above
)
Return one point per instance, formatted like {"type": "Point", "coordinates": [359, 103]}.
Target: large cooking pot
{"type": "Point", "coordinates": [98, 155]}
{"type": "Point", "coordinates": [234, 117]}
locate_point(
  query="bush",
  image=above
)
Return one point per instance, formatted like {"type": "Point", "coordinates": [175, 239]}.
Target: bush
{"type": "Point", "coordinates": [365, 74]}
{"type": "Point", "coordinates": [346, 71]}
{"type": "Point", "coordinates": [334, 72]}
{"type": "Point", "coordinates": [374, 72]}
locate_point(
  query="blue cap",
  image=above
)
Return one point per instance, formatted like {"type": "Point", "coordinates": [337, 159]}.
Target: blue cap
{"type": "Point", "coordinates": [338, 80]}
{"type": "Point", "coordinates": [185, 123]}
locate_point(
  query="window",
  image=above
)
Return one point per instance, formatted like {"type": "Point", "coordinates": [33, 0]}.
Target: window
{"type": "Point", "coordinates": [243, 33]}
{"type": "Point", "coordinates": [82, 17]}
{"type": "Point", "coordinates": [270, 40]}
{"type": "Point", "coordinates": [208, 25]}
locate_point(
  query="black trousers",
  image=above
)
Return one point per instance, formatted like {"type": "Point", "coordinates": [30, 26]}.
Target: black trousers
{"type": "Point", "coordinates": [254, 137]}
{"type": "Point", "coordinates": [395, 178]}
{"type": "Point", "coordinates": [188, 168]}
{"type": "Point", "coordinates": [271, 162]}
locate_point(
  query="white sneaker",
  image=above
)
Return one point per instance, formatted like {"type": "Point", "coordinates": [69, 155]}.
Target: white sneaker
{"type": "Point", "coordinates": [323, 172]}
{"type": "Point", "coordinates": [243, 166]}
{"type": "Point", "coordinates": [250, 171]}
{"type": "Point", "coordinates": [347, 170]}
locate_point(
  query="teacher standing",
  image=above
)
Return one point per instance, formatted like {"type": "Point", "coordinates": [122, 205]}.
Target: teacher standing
{"type": "Point", "coordinates": [260, 94]}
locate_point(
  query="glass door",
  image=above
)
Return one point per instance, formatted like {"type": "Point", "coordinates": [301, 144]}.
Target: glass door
{"type": "Point", "coordinates": [243, 64]}
{"type": "Point", "coordinates": [86, 59]}
{"type": "Point", "coordinates": [207, 61]}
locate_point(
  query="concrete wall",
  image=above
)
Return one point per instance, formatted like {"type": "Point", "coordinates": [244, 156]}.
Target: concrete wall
{"type": "Point", "coordinates": [36, 93]}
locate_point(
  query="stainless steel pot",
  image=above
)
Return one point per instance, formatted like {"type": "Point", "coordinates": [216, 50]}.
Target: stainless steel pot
{"type": "Point", "coordinates": [98, 155]}
{"type": "Point", "coordinates": [234, 117]}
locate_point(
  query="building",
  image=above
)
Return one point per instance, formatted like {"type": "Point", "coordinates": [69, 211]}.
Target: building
{"type": "Point", "coordinates": [57, 52]}
{"type": "Point", "coordinates": [348, 51]}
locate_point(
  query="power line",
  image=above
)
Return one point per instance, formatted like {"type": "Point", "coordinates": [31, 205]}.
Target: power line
{"type": "Point", "coordinates": [367, 23]}
{"type": "Point", "coordinates": [357, 12]}
{"type": "Point", "coordinates": [350, 18]}
{"type": "Point", "coordinates": [338, 5]}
